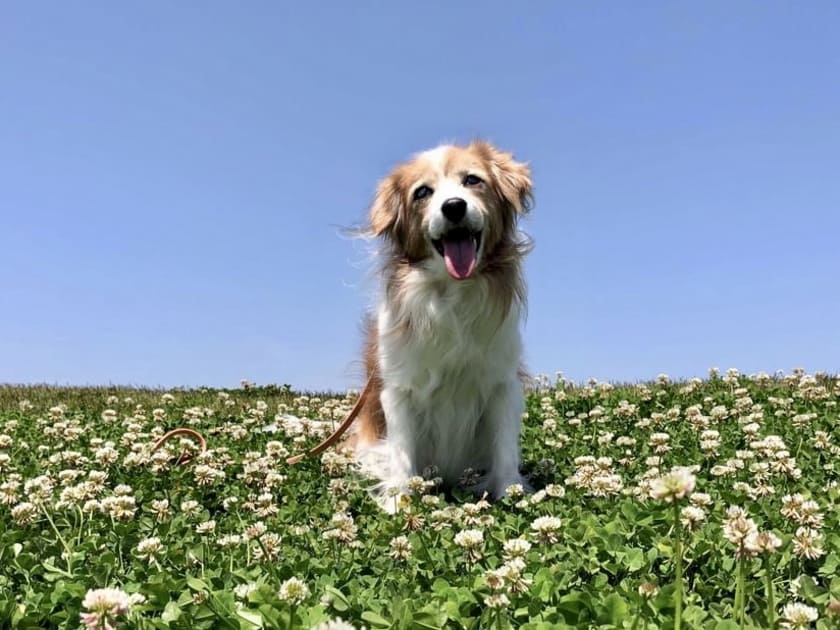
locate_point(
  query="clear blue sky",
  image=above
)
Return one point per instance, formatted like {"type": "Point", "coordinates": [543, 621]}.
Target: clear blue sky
{"type": "Point", "coordinates": [173, 177]}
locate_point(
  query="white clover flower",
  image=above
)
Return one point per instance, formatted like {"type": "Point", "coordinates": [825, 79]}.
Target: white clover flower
{"type": "Point", "coordinates": [39, 489]}
{"type": "Point", "coordinates": [336, 463]}
{"type": "Point", "coordinates": [106, 455]}
{"type": "Point", "coordinates": [469, 538]}
{"type": "Point", "coordinates": [764, 542]}
{"type": "Point", "coordinates": [416, 485]}
{"type": "Point", "coordinates": [471, 541]}
{"type": "Point", "coordinates": [120, 508]}
{"type": "Point", "coordinates": [9, 491]}
{"type": "Point", "coordinates": [602, 485]}
{"type": "Point", "coordinates": [148, 548]}
{"type": "Point", "coordinates": [648, 590]}
{"type": "Point", "coordinates": [161, 509]}
{"type": "Point", "coordinates": [822, 440]}
{"type": "Point", "coordinates": [24, 513]}
{"type": "Point", "coordinates": [720, 470]}
{"type": "Point", "coordinates": [700, 499]}
{"type": "Point", "coordinates": [497, 600]}
{"type": "Point", "coordinates": [546, 529]}
{"type": "Point", "coordinates": [811, 515]}
{"type": "Point", "coordinates": [660, 442]}
{"type": "Point", "coordinates": [692, 517]}
{"type": "Point", "coordinates": [511, 572]}
{"type": "Point", "coordinates": [515, 491]}
{"type": "Point", "coordinates": [92, 506]}
{"type": "Point", "coordinates": [798, 615]}
{"type": "Point", "coordinates": [207, 527]}
{"type": "Point", "coordinates": [471, 512]}
{"type": "Point", "coordinates": [268, 548]}
{"type": "Point", "coordinates": [206, 475]}
{"type": "Point", "coordinates": [97, 477]}
{"type": "Point", "coordinates": [293, 591]}
{"type": "Point", "coordinates": [104, 605]}
{"type": "Point", "coordinates": [190, 507]}
{"type": "Point", "coordinates": [673, 485]}
{"type": "Point", "coordinates": [737, 529]}
{"type": "Point", "coordinates": [807, 543]}
{"type": "Point", "coordinates": [516, 548]}
{"type": "Point", "coordinates": [555, 491]}
{"type": "Point", "coordinates": [495, 580]}
{"type": "Point", "coordinates": [255, 530]}
{"type": "Point", "coordinates": [343, 528]}
{"type": "Point", "coordinates": [229, 540]}
{"type": "Point", "coordinates": [400, 548]}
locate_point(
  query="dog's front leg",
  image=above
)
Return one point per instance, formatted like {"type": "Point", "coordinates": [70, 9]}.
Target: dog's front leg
{"type": "Point", "coordinates": [501, 426]}
{"type": "Point", "coordinates": [400, 445]}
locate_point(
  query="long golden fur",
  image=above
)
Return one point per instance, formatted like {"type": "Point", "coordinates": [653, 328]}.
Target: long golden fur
{"type": "Point", "coordinates": [505, 193]}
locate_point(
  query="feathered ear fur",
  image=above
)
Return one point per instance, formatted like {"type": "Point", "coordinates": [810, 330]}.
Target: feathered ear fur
{"type": "Point", "coordinates": [512, 179]}
{"type": "Point", "coordinates": [385, 211]}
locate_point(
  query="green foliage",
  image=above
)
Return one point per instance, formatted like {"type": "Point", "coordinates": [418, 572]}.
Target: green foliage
{"type": "Point", "coordinates": [220, 541]}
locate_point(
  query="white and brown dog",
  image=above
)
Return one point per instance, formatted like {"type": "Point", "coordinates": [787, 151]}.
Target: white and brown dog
{"type": "Point", "coordinates": [443, 354]}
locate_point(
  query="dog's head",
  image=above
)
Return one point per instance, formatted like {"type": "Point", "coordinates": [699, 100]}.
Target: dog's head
{"type": "Point", "coordinates": [452, 207]}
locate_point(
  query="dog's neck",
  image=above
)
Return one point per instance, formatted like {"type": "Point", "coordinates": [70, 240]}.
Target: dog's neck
{"type": "Point", "coordinates": [420, 304]}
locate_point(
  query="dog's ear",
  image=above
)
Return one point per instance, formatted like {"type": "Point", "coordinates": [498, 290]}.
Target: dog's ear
{"type": "Point", "coordinates": [385, 210]}
{"type": "Point", "coordinates": [512, 179]}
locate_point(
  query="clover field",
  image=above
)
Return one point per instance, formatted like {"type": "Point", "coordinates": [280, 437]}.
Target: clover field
{"type": "Point", "coordinates": [701, 504]}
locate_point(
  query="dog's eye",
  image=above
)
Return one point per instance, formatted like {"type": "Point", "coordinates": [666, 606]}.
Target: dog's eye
{"type": "Point", "coordinates": [422, 192]}
{"type": "Point", "coordinates": [472, 180]}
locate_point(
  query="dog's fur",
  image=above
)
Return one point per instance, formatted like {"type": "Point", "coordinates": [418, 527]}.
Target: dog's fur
{"type": "Point", "coordinates": [443, 353]}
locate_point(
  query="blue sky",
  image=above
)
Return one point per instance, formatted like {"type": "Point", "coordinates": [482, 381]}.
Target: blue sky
{"type": "Point", "coordinates": [174, 177]}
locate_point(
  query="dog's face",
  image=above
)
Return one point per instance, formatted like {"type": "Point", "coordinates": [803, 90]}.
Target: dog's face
{"type": "Point", "coordinates": [452, 206]}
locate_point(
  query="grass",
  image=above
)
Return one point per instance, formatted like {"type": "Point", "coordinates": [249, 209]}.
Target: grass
{"type": "Point", "coordinates": [659, 505]}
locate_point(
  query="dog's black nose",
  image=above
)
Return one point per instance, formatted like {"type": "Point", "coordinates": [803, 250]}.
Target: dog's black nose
{"type": "Point", "coordinates": [454, 209]}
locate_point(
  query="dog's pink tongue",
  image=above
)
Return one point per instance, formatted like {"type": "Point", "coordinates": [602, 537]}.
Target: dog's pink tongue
{"type": "Point", "coordinates": [459, 256]}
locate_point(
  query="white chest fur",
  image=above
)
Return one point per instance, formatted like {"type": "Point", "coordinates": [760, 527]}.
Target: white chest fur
{"type": "Point", "coordinates": [451, 393]}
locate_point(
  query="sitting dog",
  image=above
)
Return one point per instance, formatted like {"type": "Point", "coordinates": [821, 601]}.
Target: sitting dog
{"type": "Point", "coordinates": [443, 352]}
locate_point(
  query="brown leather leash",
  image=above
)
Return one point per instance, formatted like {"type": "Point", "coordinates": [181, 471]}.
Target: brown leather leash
{"type": "Point", "coordinates": [185, 456]}
{"type": "Point", "coordinates": [316, 450]}
{"type": "Point", "coordinates": [335, 435]}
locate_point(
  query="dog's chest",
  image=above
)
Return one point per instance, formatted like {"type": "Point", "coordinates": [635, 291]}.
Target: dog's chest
{"type": "Point", "coordinates": [455, 348]}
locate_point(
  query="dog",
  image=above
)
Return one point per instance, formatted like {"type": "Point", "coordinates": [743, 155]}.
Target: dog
{"type": "Point", "coordinates": [443, 352]}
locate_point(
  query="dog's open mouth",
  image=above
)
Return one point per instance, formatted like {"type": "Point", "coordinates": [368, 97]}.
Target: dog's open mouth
{"type": "Point", "coordinates": [459, 248]}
